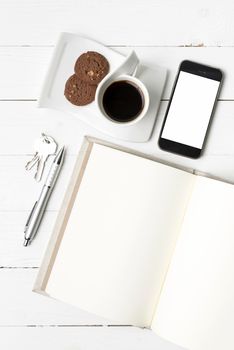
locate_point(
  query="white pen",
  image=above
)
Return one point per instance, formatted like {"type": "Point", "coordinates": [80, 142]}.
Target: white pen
{"type": "Point", "coordinates": [39, 207]}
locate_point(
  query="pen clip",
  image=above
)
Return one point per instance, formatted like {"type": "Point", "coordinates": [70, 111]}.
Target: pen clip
{"type": "Point", "coordinates": [29, 218]}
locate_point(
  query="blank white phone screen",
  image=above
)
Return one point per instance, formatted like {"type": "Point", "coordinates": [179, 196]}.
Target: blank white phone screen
{"type": "Point", "coordinates": [190, 110]}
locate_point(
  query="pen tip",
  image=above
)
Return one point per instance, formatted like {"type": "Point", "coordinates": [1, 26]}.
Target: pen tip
{"type": "Point", "coordinates": [26, 242]}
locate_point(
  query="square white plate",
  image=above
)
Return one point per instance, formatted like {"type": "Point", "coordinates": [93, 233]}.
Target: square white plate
{"type": "Point", "coordinates": [68, 49]}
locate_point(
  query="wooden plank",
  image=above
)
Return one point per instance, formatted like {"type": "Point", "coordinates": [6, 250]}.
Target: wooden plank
{"type": "Point", "coordinates": [77, 338]}
{"type": "Point", "coordinates": [12, 251]}
{"type": "Point", "coordinates": [22, 69]}
{"type": "Point", "coordinates": [123, 22]}
{"type": "Point", "coordinates": [20, 306]}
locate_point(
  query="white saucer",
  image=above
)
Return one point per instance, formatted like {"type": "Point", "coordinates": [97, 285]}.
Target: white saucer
{"type": "Point", "coordinates": [67, 50]}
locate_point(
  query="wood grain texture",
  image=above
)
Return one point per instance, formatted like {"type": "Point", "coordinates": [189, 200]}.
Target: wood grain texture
{"type": "Point", "coordinates": [132, 22]}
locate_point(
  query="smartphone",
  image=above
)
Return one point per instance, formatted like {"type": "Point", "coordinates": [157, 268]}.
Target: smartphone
{"type": "Point", "coordinates": [190, 109]}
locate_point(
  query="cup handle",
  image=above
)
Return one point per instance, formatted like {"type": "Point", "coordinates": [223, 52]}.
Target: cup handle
{"type": "Point", "coordinates": [129, 66]}
{"type": "Point", "coordinates": [135, 70]}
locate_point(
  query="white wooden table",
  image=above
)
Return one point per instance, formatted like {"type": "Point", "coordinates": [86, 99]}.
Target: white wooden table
{"type": "Point", "coordinates": [164, 32]}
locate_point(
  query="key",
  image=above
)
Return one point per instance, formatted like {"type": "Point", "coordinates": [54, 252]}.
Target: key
{"type": "Point", "coordinates": [46, 148]}
{"type": "Point", "coordinates": [32, 162]}
{"type": "Point", "coordinates": [36, 157]}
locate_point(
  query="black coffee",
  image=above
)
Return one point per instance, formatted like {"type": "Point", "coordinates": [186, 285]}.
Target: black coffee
{"type": "Point", "coordinates": [123, 101]}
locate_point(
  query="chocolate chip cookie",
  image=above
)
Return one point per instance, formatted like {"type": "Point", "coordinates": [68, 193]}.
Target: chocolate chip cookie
{"type": "Point", "coordinates": [78, 92]}
{"type": "Point", "coordinates": [91, 67]}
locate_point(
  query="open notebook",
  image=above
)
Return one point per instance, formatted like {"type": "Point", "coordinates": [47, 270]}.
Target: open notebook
{"type": "Point", "coordinates": [147, 244]}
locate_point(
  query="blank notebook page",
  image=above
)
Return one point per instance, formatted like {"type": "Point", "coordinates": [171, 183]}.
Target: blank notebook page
{"type": "Point", "coordinates": [120, 235]}
{"type": "Point", "coordinates": [196, 308]}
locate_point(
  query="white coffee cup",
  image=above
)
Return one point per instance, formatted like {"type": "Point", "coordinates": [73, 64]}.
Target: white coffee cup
{"type": "Point", "coordinates": [126, 72]}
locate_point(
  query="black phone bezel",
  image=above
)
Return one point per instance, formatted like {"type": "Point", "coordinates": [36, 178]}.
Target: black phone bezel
{"type": "Point", "coordinates": [203, 71]}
